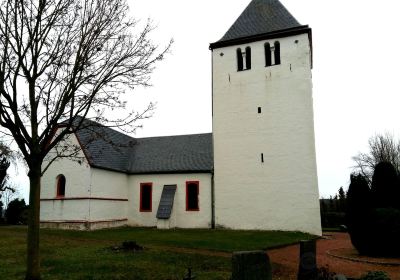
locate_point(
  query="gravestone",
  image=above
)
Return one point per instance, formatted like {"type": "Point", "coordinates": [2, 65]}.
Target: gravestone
{"type": "Point", "coordinates": [308, 260]}
{"type": "Point", "coordinates": [251, 265]}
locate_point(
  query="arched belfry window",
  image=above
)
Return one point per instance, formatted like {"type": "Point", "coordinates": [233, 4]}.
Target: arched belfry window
{"type": "Point", "coordinates": [61, 185]}
{"type": "Point", "coordinates": [267, 51]}
{"type": "Point", "coordinates": [248, 58]}
{"type": "Point", "coordinates": [243, 59]}
{"type": "Point", "coordinates": [239, 56]}
{"type": "Point", "coordinates": [277, 52]}
{"type": "Point", "coordinates": [272, 54]}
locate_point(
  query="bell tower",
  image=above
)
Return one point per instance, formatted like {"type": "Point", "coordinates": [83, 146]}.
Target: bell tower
{"type": "Point", "coordinates": [265, 172]}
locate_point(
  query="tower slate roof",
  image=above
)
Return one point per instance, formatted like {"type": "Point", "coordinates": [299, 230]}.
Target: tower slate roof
{"type": "Point", "coordinates": [261, 18]}
{"type": "Point", "coordinates": [109, 149]}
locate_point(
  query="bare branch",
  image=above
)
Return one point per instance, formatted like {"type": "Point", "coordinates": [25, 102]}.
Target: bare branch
{"type": "Point", "coordinates": [60, 59]}
{"type": "Point", "coordinates": [382, 148]}
{"type": "Point", "coordinates": [64, 61]}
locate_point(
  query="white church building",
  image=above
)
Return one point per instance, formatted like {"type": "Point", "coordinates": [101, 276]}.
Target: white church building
{"type": "Point", "coordinates": [256, 170]}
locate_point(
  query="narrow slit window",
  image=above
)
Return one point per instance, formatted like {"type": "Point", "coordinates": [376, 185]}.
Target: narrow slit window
{"type": "Point", "coordinates": [192, 196]}
{"type": "Point", "coordinates": [277, 53]}
{"type": "Point", "coordinates": [61, 185]}
{"type": "Point", "coordinates": [267, 51]}
{"type": "Point", "coordinates": [146, 197]}
{"type": "Point", "coordinates": [262, 157]}
{"type": "Point", "coordinates": [239, 59]}
{"type": "Point", "coordinates": [248, 58]}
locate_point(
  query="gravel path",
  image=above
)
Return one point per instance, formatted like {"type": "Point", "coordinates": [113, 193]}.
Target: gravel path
{"type": "Point", "coordinates": [286, 259]}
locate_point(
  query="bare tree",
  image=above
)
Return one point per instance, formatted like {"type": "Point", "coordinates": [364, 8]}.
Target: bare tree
{"type": "Point", "coordinates": [6, 156]}
{"type": "Point", "coordinates": [8, 194]}
{"type": "Point", "coordinates": [382, 148]}
{"type": "Point", "coordinates": [4, 164]}
{"type": "Point", "coordinates": [66, 61]}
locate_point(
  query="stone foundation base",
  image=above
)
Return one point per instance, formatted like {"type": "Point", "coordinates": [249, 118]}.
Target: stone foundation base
{"type": "Point", "coordinates": [164, 224]}
{"type": "Point", "coordinates": [83, 225]}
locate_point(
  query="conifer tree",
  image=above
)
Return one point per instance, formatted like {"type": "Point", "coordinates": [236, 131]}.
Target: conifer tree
{"type": "Point", "coordinates": [358, 209]}
{"type": "Point", "coordinates": [385, 186]}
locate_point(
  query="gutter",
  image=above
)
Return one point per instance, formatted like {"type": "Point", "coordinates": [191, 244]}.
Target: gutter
{"type": "Point", "coordinates": [270, 35]}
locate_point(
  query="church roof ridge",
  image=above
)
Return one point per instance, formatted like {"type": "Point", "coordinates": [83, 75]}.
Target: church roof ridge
{"type": "Point", "coordinates": [174, 135]}
{"type": "Point", "coordinates": [109, 149]}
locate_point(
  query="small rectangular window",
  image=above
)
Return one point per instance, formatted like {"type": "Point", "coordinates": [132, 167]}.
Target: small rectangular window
{"type": "Point", "coordinates": [259, 110]}
{"type": "Point", "coordinates": [146, 197]}
{"type": "Point", "coordinates": [262, 157]}
{"type": "Point", "coordinates": [192, 196]}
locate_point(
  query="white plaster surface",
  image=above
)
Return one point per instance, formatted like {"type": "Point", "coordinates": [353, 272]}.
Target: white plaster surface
{"type": "Point", "coordinates": [96, 189]}
{"type": "Point", "coordinates": [78, 178]}
{"type": "Point", "coordinates": [82, 181]}
{"type": "Point", "coordinates": [100, 210]}
{"type": "Point", "coordinates": [180, 217]}
{"type": "Point", "coordinates": [109, 185]}
{"type": "Point", "coordinates": [64, 210]}
{"type": "Point", "coordinates": [282, 192]}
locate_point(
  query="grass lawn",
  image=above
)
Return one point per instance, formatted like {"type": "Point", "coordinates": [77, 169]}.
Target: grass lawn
{"type": "Point", "coordinates": [87, 255]}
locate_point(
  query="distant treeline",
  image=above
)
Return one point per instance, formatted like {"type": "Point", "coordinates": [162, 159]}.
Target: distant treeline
{"type": "Point", "coordinates": [333, 210]}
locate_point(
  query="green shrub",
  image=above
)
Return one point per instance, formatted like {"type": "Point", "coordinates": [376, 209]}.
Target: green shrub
{"type": "Point", "coordinates": [332, 219]}
{"type": "Point", "coordinates": [16, 212]}
{"type": "Point", "coordinates": [358, 212]}
{"type": "Point", "coordinates": [384, 232]}
{"type": "Point", "coordinates": [372, 216]}
{"type": "Point", "coordinates": [375, 275]}
{"type": "Point", "coordinates": [385, 186]}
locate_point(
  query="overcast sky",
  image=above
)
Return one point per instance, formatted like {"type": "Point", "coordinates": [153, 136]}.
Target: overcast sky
{"type": "Point", "coordinates": [356, 47]}
{"type": "Point", "coordinates": [355, 76]}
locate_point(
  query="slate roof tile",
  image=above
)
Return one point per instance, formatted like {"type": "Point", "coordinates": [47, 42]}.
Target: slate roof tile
{"type": "Point", "coordinates": [260, 17]}
{"type": "Point", "coordinates": [109, 149]}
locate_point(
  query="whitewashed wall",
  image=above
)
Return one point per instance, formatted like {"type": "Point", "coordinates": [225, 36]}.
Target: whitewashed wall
{"type": "Point", "coordinates": [108, 185]}
{"type": "Point", "coordinates": [97, 195]}
{"type": "Point", "coordinates": [84, 189]}
{"type": "Point", "coordinates": [282, 192]}
{"type": "Point", "coordinates": [64, 210]}
{"type": "Point", "coordinates": [180, 217]}
{"type": "Point", "coordinates": [78, 178]}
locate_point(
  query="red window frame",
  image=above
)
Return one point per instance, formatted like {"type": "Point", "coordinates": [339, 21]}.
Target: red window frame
{"type": "Point", "coordinates": [142, 186]}
{"type": "Point", "coordinates": [59, 178]}
{"type": "Point", "coordinates": [187, 195]}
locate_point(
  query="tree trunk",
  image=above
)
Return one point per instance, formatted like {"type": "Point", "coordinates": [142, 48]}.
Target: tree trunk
{"type": "Point", "coordinates": [33, 258]}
